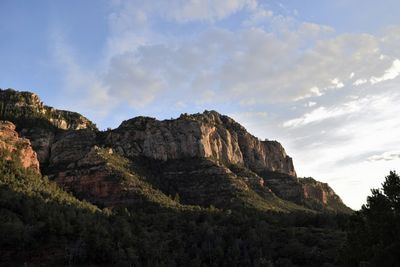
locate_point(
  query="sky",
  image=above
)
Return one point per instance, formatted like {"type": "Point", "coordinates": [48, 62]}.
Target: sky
{"type": "Point", "coordinates": [321, 77]}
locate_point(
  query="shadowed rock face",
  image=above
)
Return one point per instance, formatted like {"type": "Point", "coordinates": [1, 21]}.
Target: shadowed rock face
{"type": "Point", "coordinates": [16, 146]}
{"type": "Point", "coordinates": [42, 140]}
{"type": "Point", "coordinates": [207, 135]}
{"type": "Point", "coordinates": [86, 174]}
{"type": "Point", "coordinates": [304, 191]}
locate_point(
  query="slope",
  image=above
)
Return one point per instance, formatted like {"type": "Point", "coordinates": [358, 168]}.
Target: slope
{"type": "Point", "coordinates": [42, 225]}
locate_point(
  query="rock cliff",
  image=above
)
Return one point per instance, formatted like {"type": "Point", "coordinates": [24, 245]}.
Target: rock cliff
{"type": "Point", "coordinates": [12, 145]}
{"type": "Point", "coordinates": [207, 135]}
{"type": "Point", "coordinates": [205, 159]}
{"type": "Point", "coordinates": [38, 122]}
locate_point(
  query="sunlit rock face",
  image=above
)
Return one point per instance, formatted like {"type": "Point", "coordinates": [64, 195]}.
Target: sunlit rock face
{"type": "Point", "coordinates": [318, 190]}
{"type": "Point", "coordinates": [17, 146]}
{"type": "Point", "coordinates": [207, 135]}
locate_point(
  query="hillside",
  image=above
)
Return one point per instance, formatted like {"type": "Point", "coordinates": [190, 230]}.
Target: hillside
{"type": "Point", "coordinates": [197, 189]}
{"type": "Point", "coordinates": [42, 225]}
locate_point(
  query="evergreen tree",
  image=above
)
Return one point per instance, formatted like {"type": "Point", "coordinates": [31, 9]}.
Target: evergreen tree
{"type": "Point", "coordinates": [374, 231]}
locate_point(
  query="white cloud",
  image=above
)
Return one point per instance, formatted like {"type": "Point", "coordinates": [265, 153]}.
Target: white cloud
{"type": "Point", "coordinates": [258, 17]}
{"type": "Point", "coordinates": [183, 11]}
{"type": "Point", "coordinates": [207, 10]}
{"type": "Point", "coordinates": [387, 156]}
{"type": "Point", "coordinates": [360, 82]}
{"type": "Point", "coordinates": [323, 113]}
{"type": "Point", "coordinates": [389, 74]}
{"type": "Point", "coordinates": [316, 115]}
{"type": "Point", "coordinates": [82, 86]}
{"type": "Point", "coordinates": [129, 80]}
{"type": "Point", "coordinates": [336, 83]}
{"type": "Point", "coordinates": [310, 104]}
{"type": "Point", "coordinates": [252, 65]}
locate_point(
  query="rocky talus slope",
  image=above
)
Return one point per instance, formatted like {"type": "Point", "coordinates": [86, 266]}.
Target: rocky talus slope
{"type": "Point", "coordinates": [201, 159]}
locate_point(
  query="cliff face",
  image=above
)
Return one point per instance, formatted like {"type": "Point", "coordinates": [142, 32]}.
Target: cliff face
{"type": "Point", "coordinates": [205, 158]}
{"type": "Point", "coordinates": [207, 135]}
{"type": "Point", "coordinates": [15, 146]}
{"type": "Point", "coordinates": [322, 192]}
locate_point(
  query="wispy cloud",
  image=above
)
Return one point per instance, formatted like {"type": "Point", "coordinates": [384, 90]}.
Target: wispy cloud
{"type": "Point", "coordinates": [387, 156]}
{"type": "Point", "coordinates": [183, 11]}
{"type": "Point", "coordinates": [323, 113]}
{"type": "Point", "coordinates": [82, 87]}
{"type": "Point", "coordinates": [389, 74]}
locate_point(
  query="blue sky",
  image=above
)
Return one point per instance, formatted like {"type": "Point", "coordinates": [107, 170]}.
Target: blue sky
{"type": "Point", "coordinates": [321, 77]}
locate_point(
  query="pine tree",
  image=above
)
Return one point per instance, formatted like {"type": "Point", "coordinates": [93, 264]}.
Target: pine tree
{"type": "Point", "coordinates": [374, 231]}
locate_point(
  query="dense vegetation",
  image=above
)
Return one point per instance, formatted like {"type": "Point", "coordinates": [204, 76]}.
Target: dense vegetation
{"type": "Point", "coordinates": [40, 223]}
{"type": "Point", "coordinates": [374, 231]}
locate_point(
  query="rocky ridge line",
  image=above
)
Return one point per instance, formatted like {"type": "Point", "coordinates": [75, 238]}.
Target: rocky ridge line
{"type": "Point", "coordinates": [203, 135]}
{"type": "Point", "coordinates": [27, 105]}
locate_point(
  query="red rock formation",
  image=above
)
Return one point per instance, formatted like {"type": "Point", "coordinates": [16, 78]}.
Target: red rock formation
{"type": "Point", "coordinates": [316, 190]}
{"type": "Point", "coordinates": [20, 147]}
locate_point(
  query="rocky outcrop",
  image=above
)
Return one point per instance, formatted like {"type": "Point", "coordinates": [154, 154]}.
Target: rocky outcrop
{"type": "Point", "coordinates": [15, 105]}
{"type": "Point", "coordinates": [322, 192]}
{"type": "Point", "coordinates": [304, 191]}
{"type": "Point", "coordinates": [78, 165]}
{"type": "Point", "coordinates": [39, 123]}
{"type": "Point", "coordinates": [87, 175]}
{"type": "Point", "coordinates": [69, 147]}
{"type": "Point", "coordinates": [207, 135]}
{"type": "Point", "coordinates": [15, 146]}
